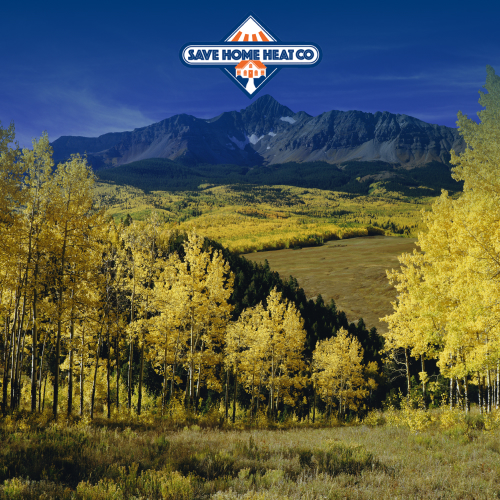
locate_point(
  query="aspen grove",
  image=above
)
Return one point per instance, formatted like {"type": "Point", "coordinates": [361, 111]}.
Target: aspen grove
{"type": "Point", "coordinates": [448, 306]}
{"type": "Point", "coordinates": [80, 296]}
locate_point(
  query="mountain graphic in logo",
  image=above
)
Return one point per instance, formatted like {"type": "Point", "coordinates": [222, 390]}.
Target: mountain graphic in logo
{"type": "Point", "coordinates": [250, 55]}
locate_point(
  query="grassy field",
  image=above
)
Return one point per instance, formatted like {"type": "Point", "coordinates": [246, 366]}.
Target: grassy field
{"type": "Point", "coordinates": [351, 272]}
{"type": "Point", "coordinates": [133, 459]}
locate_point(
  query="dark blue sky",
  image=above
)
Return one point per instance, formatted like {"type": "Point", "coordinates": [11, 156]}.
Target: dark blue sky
{"type": "Point", "coordinates": [87, 68]}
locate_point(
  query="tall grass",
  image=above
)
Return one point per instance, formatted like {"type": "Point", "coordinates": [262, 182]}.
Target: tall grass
{"type": "Point", "coordinates": [453, 455]}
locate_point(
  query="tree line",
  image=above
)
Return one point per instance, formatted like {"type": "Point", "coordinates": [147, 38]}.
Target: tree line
{"type": "Point", "coordinates": [81, 295]}
{"type": "Point", "coordinates": [162, 174]}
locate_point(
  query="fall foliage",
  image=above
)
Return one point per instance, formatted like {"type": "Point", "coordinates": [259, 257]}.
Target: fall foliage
{"type": "Point", "coordinates": [90, 307]}
{"type": "Point", "coordinates": [448, 293]}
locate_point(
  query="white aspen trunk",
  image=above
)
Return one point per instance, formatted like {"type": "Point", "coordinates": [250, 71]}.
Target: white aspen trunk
{"type": "Point", "coordinates": [423, 381]}
{"type": "Point", "coordinates": [117, 354]}
{"type": "Point", "coordinates": [259, 391]}
{"type": "Point", "coordinates": [191, 368]}
{"type": "Point", "coordinates": [45, 389]}
{"type": "Point", "coordinates": [13, 343]}
{"type": "Point", "coordinates": [92, 399]}
{"type": "Point", "coordinates": [59, 322]}
{"type": "Point", "coordinates": [34, 347]}
{"type": "Point", "coordinates": [234, 395]}
{"type": "Point", "coordinates": [271, 395]}
{"type": "Point", "coordinates": [252, 401]}
{"type": "Point", "coordinates": [7, 346]}
{"type": "Point", "coordinates": [70, 375]}
{"type": "Point", "coordinates": [458, 394]}
{"type": "Point", "coordinates": [15, 384]}
{"type": "Point", "coordinates": [498, 385]}
{"type": "Point", "coordinates": [141, 377]}
{"type": "Point", "coordinates": [20, 385]}
{"type": "Point", "coordinates": [466, 394]}
{"type": "Point", "coordinates": [131, 353]}
{"type": "Point", "coordinates": [174, 366]}
{"type": "Point", "coordinates": [164, 390]}
{"type": "Point", "coordinates": [479, 393]}
{"type": "Point", "coordinates": [451, 393]}
{"type": "Point", "coordinates": [40, 375]}
{"type": "Point", "coordinates": [488, 389]}
{"type": "Point", "coordinates": [314, 402]}
{"type": "Point", "coordinates": [108, 372]}
{"type": "Point", "coordinates": [82, 373]}
{"type": "Point", "coordinates": [197, 397]}
{"type": "Point", "coordinates": [483, 395]}
{"type": "Point", "coordinates": [226, 398]}
{"type": "Point", "coordinates": [407, 364]}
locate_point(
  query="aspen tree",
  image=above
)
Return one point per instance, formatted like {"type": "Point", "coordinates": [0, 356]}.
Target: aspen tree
{"type": "Point", "coordinates": [236, 340]}
{"type": "Point", "coordinates": [448, 292]}
{"type": "Point", "coordinates": [245, 350]}
{"type": "Point", "coordinates": [145, 269]}
{"type": "Point", "coordinates": [166, 337]}
{"type": "Point", "coordinates": [120, 274]}
{"type": "Point", "coordinates": [207, 283]}
{"type": "Point", "coordinates": [266, 346]}
{"type": "Point", "coordinates": [72, 217]}
{"type": "Point", "coordinates": [338, 371]}
{"type": "Point", "coordinates": [38, 164]}
{"type": "Point", "coordinates": [23, 245]}
{"type": "Point", "coordinates": [285, 347]}
{"type": "Point", "coordinates": [131, 248]}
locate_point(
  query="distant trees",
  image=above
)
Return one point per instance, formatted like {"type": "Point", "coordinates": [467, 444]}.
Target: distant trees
{"type": "Point", "coordinates": [448, 305]}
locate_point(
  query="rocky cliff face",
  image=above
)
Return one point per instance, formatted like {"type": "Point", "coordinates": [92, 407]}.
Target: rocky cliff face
{"type": "Point", "coordinates": [267, 132]}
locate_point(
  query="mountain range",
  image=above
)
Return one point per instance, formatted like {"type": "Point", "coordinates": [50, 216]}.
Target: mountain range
{"type": "Point", "coordinates": [268, 133]}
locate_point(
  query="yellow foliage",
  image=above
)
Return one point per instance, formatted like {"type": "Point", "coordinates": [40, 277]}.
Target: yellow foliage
{"type": "Point", "coordinates": [338, 371]}
{"type": "Point", "coordinates": [448, 304]}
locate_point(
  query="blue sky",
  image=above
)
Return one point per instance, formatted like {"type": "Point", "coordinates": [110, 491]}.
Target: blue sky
{"type": "Point", "coordinates": [87, 68]}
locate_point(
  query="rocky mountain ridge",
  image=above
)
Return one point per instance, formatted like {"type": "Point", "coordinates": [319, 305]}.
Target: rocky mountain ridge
{"type": "Point", "coordinates": [266, 133]}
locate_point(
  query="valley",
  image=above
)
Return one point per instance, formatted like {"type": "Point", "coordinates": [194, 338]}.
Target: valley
{"type": "Point", "coordinates": [258, 218]}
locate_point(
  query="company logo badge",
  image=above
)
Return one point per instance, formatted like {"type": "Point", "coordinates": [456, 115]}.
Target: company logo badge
{"type": "Point", "coordinates": [250, 55]}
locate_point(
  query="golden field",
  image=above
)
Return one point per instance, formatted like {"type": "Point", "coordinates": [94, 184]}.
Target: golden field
{"type": "Point", "coordinates": [352, 272]}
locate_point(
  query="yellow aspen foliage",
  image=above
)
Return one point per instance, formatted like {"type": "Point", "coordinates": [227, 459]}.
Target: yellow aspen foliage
{"type": "Point", "coordinates": [265, 348]}
{"type": "Point", "coordinates": [207, 284]}
{"type": "Point", "coordinates": [448, 304]}
{"type": "Point", "coordinates": [166, 336]}
{"type": "Point", "coordinates": [245, 350]}
{"type": "Point", "coordinates": [338, 372]}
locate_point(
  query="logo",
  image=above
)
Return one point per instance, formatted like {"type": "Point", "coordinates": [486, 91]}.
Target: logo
{"type": "Point", "coordinates": [250, 55]}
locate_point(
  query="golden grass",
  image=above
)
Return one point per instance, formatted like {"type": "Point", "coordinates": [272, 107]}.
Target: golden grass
{"type": "Point", "coordinates": [130, 459]}
{"type": "Point", "coordinates": [352, 272]}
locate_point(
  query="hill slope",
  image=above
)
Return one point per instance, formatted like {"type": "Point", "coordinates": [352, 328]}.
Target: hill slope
{"type": "Point", "coordinates": [356, 177]}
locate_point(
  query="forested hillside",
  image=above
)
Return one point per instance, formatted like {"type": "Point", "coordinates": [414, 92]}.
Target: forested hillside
{"type": "Point", "coordinates": [96, 313]}
{"type": "Point", "coordinates": [356, 177]}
